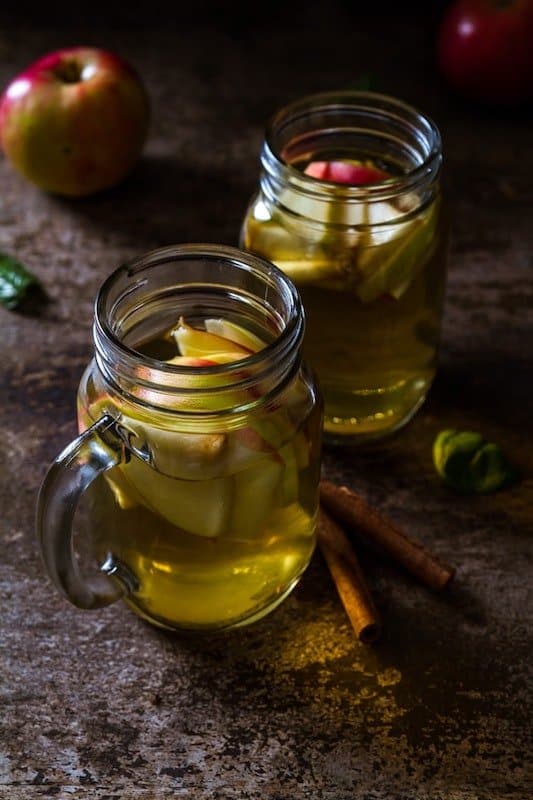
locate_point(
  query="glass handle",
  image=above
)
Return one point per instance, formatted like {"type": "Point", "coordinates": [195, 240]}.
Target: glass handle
{"type": "Point", "coordinates": [95, 451]}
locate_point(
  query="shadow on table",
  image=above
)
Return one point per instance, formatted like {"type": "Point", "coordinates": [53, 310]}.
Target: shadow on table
{"type": "Point", "coordinates": [431, 683]}
{"type": "Point", "coordinates": [167, 200]}
{"type": "Point", "coordinates": [490, 394]}
{"type": "Point", "coordinates": [36, 303]}
{"type": "Point", "coordinates": [490, 389]}
{"type": "Point", "coordinates": [282, 653]}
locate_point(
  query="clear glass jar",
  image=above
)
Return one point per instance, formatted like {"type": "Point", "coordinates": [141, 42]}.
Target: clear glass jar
{"type": "Point", "coordinates": [200, 473]}
{"type": "Point", "coordinates": [369, 260]}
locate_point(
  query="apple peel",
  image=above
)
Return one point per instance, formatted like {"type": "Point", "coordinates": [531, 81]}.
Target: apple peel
{"type": "Point", "coordinates": [352, 173]}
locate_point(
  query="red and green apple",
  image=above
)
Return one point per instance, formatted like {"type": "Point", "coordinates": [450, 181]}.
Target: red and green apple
{"type": "Point", "coordinates": [75, 121]}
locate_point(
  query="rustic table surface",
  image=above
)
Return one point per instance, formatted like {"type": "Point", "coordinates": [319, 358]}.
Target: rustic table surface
{"type": "Point", "coordinates": [101, 705]}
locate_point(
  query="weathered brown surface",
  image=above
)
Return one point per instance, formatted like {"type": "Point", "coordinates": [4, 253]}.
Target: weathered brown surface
{"type": "Point", "coordinates": [100, 705]}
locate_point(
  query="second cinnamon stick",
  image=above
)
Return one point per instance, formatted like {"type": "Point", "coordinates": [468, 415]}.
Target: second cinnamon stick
{"type": "Point", "coordinates": [348, 578]}
{"type": "Point", "coordinates": [350, 509]}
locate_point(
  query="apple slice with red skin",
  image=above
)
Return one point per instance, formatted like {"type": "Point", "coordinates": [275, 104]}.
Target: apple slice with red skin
{"type": "Point", "coordinates": [213, 360]}
{"type": "Point", "coordinates": [252, 440]}
{"type": "Point", "coordinates": [241, 471]}
{"type": "Point", "coordinates": [345, 172]}
{"type": "Point", "coordinates": [205, 382]}
{"type": "Point", "coordinates": [194, 339]}
{"type": "Point", "coordinates": [256, 483]}
{"type": "Point", "coordinates": [257, 436]}
{"type": "Point", "coordinates": [194, 342]}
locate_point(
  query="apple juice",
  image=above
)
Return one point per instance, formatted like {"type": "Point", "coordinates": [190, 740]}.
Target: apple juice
{"type": "Point", "coordinates": [345, 210]}
{"type": "Point", "coordinates": [210, 525]}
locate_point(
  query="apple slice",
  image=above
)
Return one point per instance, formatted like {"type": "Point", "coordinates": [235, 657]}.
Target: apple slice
{"type": "Point", "coordinates": [291, 476]}
{"type": "Point", "coordinates": [192, 361]}
{"type": "Point", "coordinates": [197, 343]}
{"type": "Point", "coordinates": [183, 481]}
{"type": "Point", "coordinates": [171, 451]}
{"type": "Point", "coordinates": [255, 495]}
{"type": "Point", "coordinates": [325, 272]}
{"type": "Point", "coordinates": [300, 252]}
{"type": "Point", "coordinates": [202, 507]}
{"type": "Point", "coordinates": [278, 433]}
{"type": "Point", "coordinates": [352, 173]}
{"type": "Point", "coordinates": [388, 269]}
{"type": "Point", "coordinates": [235, 334]}
{"type": "Point", "coordinates": [226, 357]}
{"type": "Point", "coordinates": [355, 174]}
{"type": "Point", "coordinates": [318, 170]}
{"type": "Point", "coordinates": [205, 401]}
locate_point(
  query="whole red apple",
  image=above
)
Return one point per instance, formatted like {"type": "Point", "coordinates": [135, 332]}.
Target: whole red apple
{"type": "Point", "coordinates": [484, 50]}
{"type": "Point", "coordinates": [75, 121]}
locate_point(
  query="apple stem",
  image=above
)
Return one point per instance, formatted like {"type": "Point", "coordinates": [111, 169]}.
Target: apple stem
{"type": "Point", "coordinates": [69, 72]}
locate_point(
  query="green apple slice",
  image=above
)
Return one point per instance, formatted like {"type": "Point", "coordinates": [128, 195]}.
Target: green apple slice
{"type": "Point", "coordinates": [330, 273]}
{"type": "Point", "coordinates": [171, 451]}
{"type": "Point", "coordinates": [390, 268]}
{"type": "Point", "coordinates": [305, 257]}
{"type": "Point", "coordinates": [198, 343]}
{"type": "Point", "coordinates": [255, 495]}
{"type": "Point", "coordinates": [278, 432]}
{"type": "Point", "coordinates": [235, 334]}
{"type": "Point", "coordinates": [182, 482]}
{"type": "Point", "coordinates": [201, 507]}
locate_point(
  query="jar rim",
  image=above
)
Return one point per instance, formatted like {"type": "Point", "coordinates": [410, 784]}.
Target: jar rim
{"type": "Point", "coordinates": [119, 359]}
{"type": "Point", "coordinates": [352, 100]}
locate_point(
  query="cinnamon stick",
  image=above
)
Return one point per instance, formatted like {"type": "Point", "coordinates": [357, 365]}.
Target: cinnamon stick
{"type": "Point", "coordinates": [348, 578]}
{"type": "Point", "coordinates": [347, 507]}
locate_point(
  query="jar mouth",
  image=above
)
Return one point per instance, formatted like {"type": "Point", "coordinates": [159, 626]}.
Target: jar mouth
{"type": "Point", "coordinates": [388, 124]}
{"type": "Point", "coordinates": [137, 298]}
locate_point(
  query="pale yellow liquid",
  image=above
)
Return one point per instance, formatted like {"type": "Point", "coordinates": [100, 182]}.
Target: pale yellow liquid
{"type": "Point", "coordinates": [223, 539]}
{"type": "Point", "coordinates": [373, 309]}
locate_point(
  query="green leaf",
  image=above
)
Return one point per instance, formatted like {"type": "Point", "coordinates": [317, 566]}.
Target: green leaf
{"type": "Point", "coordinates": [15, 280]}
{"type": "Point", "coordinates": [470, 464]}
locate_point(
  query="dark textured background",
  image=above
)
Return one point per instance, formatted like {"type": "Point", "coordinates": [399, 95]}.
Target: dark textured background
{"type": "Point", "coordinates": [100, 705]}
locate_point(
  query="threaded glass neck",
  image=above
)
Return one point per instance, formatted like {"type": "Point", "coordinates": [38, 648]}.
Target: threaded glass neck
{"type": "Point", "coordinates": [344, 125]}
{"type": "Point", "coordinates": [146, 297]}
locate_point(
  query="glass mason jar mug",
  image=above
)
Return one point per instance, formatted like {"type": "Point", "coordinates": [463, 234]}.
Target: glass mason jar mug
{"type": "Point", "coordinates": [198, 461]}
{"type": "Point", "coordinates": [349, 207]}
